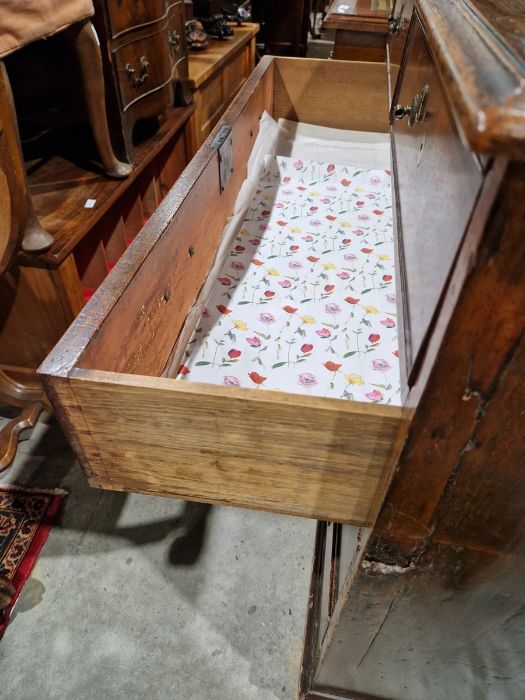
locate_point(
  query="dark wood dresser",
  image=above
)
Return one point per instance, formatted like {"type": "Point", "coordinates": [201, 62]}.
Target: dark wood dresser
{"type": "Point", "coordinates": [146, 64]}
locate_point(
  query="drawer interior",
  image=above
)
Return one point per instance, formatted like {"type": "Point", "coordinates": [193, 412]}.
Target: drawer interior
{"type": "Point", "coordinates": [135, 428]}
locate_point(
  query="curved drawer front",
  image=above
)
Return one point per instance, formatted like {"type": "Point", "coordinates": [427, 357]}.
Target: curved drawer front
{"type": "Point", "coordinates": [127, 14]}
{"type": "Point", "coordinates": [438, 181]}
{"type": "Point", "coordinates": [143, 66]}
{"type": "Point", "coordinates": [176, 32]}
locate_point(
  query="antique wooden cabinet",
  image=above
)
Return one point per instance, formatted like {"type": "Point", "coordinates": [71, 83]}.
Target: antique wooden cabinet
{"type": "Point", "coordinates": [146, 63]}
{"type": "Point", "coordinates": [361, 28]}
{"type": "Point", "coordinates": [416, 591]}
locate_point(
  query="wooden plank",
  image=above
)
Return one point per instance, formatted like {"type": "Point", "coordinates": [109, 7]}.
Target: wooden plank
{"type": "Point", "coordinates": [237, 447]}
{"type": "Point", "coordinates": [141, 329]}
{"type": "Point", "coordinates": [483, 73]}
{"type": "Point", "coordinates": [311, 90]}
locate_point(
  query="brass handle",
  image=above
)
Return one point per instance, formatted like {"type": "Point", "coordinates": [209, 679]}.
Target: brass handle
{"type": "Point", "coordinates": [140, 77]}
{"type": "Point", "coordinates": [394, 23]}
{"type": "Point", "coordinates": [174, 41]}
{"type": "Point", "coordinates": [416, 111]}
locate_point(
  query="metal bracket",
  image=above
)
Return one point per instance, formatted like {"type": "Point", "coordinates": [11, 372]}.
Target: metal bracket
{"type": "Point", "coordinates": [223, 143]}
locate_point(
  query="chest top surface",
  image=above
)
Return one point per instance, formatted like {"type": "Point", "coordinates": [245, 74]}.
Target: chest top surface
{"type": "Point", "coordinates": [479, 49]}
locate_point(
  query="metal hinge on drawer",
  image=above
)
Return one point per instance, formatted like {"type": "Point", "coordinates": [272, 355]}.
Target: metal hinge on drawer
{"type": "Point", "coordinates": [223, 142]}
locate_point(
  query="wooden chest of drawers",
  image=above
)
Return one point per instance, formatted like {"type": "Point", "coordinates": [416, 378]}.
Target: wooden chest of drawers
{"type": "Point", "coordinates": [146, 65]}
{"type": "Point", "coordinates": [437, 485]}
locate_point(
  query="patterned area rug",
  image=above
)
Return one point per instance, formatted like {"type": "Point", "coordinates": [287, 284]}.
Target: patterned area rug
{"type": "Point", "coordinates": [26, 518]}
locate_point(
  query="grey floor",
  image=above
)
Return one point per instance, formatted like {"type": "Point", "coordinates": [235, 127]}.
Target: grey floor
{"type": "Point", "coordinates": [143, 597]}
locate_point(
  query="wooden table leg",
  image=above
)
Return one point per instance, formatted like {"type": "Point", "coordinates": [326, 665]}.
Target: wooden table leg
{"type": "Point", "coordinates": [83, 39]}
{"type": "Point", "coordinates": [10, 433]}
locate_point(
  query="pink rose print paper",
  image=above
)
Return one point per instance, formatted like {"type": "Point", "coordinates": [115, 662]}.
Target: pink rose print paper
{"type": "Point", "coordinates": [305, 301]}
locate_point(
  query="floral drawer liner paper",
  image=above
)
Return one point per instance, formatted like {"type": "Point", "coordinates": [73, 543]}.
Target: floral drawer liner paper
{"type": "Point", "coordinates": [305, 301]}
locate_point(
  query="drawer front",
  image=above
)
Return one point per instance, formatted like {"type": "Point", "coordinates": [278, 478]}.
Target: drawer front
{"type": "Point", "coordinates": [397, 37]}
{"type": "Point", "coordinates": [234, 75]}
{"type": "Point", "coordinates": [143, 66]}
{"type": "Point", "coordinates": [209, 106]}
{"type": "Point", "coordinates": [176, 32]}
{"type": "Point", "coordinates": [438, 180]}
{"type": "Point", "coordinates": [127, 14]}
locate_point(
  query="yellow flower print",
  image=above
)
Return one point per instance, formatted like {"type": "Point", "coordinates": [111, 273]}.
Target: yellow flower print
{"type": "Point", "coordinates": [371, 309]}
{"type": "Point", "coordinates": [268, 197]}
{"type": "Point", "coordinates": [307, 319]}
{"type": "Point", "coordinates": [272, 272]}
{"type": "Point", "coordinates": [358, 189]}
{"type": "Point", "coordinates": [245, 232]}
{"type": "Point", "coordinates": [314, 194]}
{"type": "Point", "coordinates": [241, 325]}
{"type": "Point", "coordinates": [344, 224]}
{"type": "Point", "coordinates": [355, 379]}
{"type": "Point", "coordinates": [329, 266]}
{"type": "Point", "coordinates": [384, 256]}
{"type": "Point", "coordinates": [296, 229]}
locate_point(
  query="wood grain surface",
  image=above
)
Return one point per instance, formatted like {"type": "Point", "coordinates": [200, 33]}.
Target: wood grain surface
{"type": "Point", "coordinates": [311, 90]}
{"type": "Point", "coordinates": [482, 68]}
{"type": "Point", "coordinates": [286, 453]}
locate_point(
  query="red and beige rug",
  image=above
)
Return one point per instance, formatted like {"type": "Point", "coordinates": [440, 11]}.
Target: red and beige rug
{"type": "Point", "coordinates": [26, 518]}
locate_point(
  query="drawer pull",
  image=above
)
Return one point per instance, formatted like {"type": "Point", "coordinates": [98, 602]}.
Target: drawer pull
{"type": "Point", "coordinates": [394, 23]}
{"type": "Point", "coordinates": [140, 77]}
{"type": "Point", "coordinates": [416, 111]}
{"type": "Point", "coordinates": [174, 41]}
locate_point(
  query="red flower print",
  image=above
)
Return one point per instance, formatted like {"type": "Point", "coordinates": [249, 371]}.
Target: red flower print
{"type": "Point", "coordinates": [265, 214]}
{"type": "Point", "coordinates": [347, 241]}
{"type": "Point", "coordinates": [312, 259]}
{"type": "Point", "coordinates": [289, 309]}
{"type": "Point", "coordinates": [298, 164]}
{"type": "Point", "coordinates": [381, 365]}
{"type": "Point", "coordinates": [358, 231]}
{"type": "Point", "coordinates": [302, 189]}
{"type": "Point", "coordinates": [331, 366]}
{"type": "Point", "coordinates": [314, 208]}
{"type": "Point", "coordinates": [225, 281]}
{"type": "Point", "coordinates": [330, 168]}
{"type": "Point", "coordinates": [329, 288]}
{"type": "Point", "coordinates": [183, 370]}
{"type": "Point", "coordinates": [240, 248]}
{"type": "Point", "coordinates": [396, 353]}
{"type": "Point", "coordinates": [378, 212]}
{"type": "Point", "coordinates": [285, 284]}
{"type": "Point", "coordinates": [282, 223]}
{"type": "Point", "coordinates": [346, 182]}
{"type": "Point", "coordinates": [343, 275]}
{"type": "Point", "coordinates": [257, 262]}
{"type": "Point", "coordinates": [255, 342]}
{"type": "Point", "coordinates": [325, 200]}
{"type": "Point", "coordinates": [294, 248]}
{"type": "Point", "coordinates": [255, 241]}
{"type": "Point", "coordinates": [223, 309]}
{"type": "Point", "coordinates": [374, 395]}
{"type": "Point", "coordinates": [256, 378]}
{"type": "Point", "coordinates": [388, 323]}
{"type": "Point", "coordinates": [233, 354]}
{"type": "Point", "coordinates": [286, 180]}
{"type": "Point", "coordinates": [307, 347]}
{"type": "Point", "coordinates": [367, 250]}
{"type": "Point", "coordinates": [360, 204]}
{"type": "Point", "coordinates": [387, 278]}
{"type": "Point", "coordinates": [330, 217]}
{"type": "Point", "coordinates": [374, 338]}
{"type": "Point", "coordinates": [351, 300]}
{"type": "Point", "coordinates": [269, 294]}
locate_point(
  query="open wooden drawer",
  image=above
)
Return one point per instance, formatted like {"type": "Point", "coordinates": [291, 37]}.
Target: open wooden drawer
{"type": "Point", "coordinates": [133, 428]}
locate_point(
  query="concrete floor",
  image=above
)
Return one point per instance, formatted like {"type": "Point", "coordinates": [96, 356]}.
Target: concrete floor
{"type": "Point", "coordinates": [142, 597]}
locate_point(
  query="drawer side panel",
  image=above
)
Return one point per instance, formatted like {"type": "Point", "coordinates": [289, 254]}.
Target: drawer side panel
{"type": "Point", "coordinates": [303, 456]}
